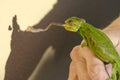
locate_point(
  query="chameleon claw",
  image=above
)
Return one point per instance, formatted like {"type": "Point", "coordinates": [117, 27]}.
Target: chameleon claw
{"type": "Point", "coordinates": [83, 43]}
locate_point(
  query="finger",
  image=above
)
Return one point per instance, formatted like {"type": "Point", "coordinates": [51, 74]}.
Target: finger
{"type": "Point", "coordinates": [109, 69]}
{"type": "Point", "coordinates": [75, 54]}
{"type": "Point", "coordinates": [79, 62]}
{"type": "Point", "coordinates": [118, 48]}
{"type": "Point", "coordinates": [72, 72]}
{"type": "Point", "coordinates": [82, 71]}
{"type": "Point", "coordinates": [95, 67]}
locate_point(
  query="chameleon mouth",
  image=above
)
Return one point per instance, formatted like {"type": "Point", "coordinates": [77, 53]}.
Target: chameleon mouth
{"type": "Point", "coordinates": [71, 28]}
{"type": "Point", "coordinates": [67, 26]}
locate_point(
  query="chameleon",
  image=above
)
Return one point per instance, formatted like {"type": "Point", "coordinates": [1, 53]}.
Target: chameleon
{"type": "Point", "coordinates": [94, 38]}
{"type": "Point", "coordinates": [97, 41]}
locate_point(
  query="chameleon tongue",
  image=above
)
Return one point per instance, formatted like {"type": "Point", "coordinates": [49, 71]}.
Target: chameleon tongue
{"type": "Point", "coordinates": [35, 30]}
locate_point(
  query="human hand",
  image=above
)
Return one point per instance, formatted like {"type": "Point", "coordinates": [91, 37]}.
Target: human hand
{"type": "Point", "coordinates": [86, 66]}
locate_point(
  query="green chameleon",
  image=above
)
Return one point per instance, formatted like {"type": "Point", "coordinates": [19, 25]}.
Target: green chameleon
{"type": "Point", "coordinates": [98, 42]}
{"type": "Point", "coordinates": [94, 38]}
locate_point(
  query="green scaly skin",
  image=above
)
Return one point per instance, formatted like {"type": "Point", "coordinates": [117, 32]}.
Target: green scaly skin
{"type": "Point", "coordinates": [98, 42]}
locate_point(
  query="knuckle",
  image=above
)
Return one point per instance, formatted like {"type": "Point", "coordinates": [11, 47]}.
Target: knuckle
{"type": "Point", "coordinates": [94, 70]}
{"type": "Point", "coordinates": [74, 51]}
{"type": "Point", "coordinates": [97, 72]}
{"type": "Point", "coordinates": [76, 54]}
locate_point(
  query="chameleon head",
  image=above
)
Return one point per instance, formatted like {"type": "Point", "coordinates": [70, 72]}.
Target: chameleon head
{"type": "Point", "coordinates": [73, 24]}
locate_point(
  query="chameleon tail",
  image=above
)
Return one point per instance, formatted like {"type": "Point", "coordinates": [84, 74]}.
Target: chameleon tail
{"type": "Point", "coordinates": [115, 72]}
{"type": "Point", "coordinates": [118, 71]}
{"type": "Point", "coordinates": [118, 68]}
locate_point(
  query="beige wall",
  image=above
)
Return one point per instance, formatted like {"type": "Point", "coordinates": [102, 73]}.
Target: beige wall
{"type": "Point", "coordinates": [28, 12]}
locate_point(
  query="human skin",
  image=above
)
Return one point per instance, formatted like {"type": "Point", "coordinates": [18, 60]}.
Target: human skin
{"type": "Point", "coordinates": [86, 66]}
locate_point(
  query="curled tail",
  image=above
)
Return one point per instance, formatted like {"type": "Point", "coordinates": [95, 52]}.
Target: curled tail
{"type": "Point", "coordinates": [115, 71]}
{"type": "Point", "coordinates": [118, 71]}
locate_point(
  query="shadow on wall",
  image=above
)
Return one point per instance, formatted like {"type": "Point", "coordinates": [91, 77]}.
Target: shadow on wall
{"type": "Point", "coordinates": [28, 48]}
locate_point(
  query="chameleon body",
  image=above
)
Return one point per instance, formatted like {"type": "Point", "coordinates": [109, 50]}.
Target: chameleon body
{"type": "Point", "coordinates": [98, 42]}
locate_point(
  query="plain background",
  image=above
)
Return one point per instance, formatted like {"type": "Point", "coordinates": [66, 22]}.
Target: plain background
{"type": "Point", "coordinates": [45, 55]}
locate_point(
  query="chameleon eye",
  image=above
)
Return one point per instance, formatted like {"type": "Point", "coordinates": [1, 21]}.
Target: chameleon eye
{"type": "Point", "coordinates": [70, 21]}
